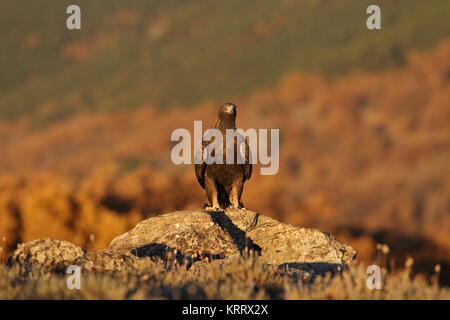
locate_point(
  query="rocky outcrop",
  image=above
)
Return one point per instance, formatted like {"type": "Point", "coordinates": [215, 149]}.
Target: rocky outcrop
{"type": "Point", "coordinates": [193, 235]}
{"type": "Point", "coordinates": [44, 256]}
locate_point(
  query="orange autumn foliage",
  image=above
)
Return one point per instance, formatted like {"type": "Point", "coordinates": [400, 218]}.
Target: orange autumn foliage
{"type": "Point", "coordinates": [364, 156]}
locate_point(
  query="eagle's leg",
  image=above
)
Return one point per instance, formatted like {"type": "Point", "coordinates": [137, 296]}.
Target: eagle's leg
{"type": "Point", "coordinates": [211, 194]}
{"type": "Point", "coordinates": [235, 194]}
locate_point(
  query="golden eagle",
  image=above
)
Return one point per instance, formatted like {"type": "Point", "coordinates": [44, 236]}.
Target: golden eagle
{"type": "Point", "coordinates": [224, 182]}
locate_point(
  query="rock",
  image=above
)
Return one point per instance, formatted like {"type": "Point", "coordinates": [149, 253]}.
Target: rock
{"type": "Point", "coordinates": [199, 233]}
{"type": "Point", "coordinates": [46, 255]}
{"type": "Point", "coordinates": [189, 232]}
{"type": "Point", "coordinates": [107, 260]}
{"type": "Point", "coordinates": [191, 236]}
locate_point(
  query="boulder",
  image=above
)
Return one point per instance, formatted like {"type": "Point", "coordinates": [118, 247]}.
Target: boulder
{"type": "Point", "coordinates": [193, 234]}
{"type": "Point", "coordinates": [45, 256]}
{"type": "Point", "coordinates": [190, 236]}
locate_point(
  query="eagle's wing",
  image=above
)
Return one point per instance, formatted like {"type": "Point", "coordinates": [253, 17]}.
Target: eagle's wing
{"type": "Point", "coordinates": [200, 167]}
{"type": "Point", "coordinates": [247, 165]}
{"type": "Point", "coordinates": [244, 149]}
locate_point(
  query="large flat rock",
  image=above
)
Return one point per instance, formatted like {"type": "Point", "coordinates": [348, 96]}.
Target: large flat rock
{"type": "Point", "coordinates": [199, 233]}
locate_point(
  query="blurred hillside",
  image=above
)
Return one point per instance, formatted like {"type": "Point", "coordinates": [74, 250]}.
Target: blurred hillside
{"type": "Point", "coordinates": [181, 53]}
{"type": "Point", "coordinates": [364, 117]}
{"type": "Point", "coordinates": [364, 156]}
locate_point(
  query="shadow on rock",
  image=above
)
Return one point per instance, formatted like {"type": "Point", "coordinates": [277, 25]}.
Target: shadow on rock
{"type": "Point", "coordinates": [170, 256]}
{"type": "Point", "coordinates": [242, 242]}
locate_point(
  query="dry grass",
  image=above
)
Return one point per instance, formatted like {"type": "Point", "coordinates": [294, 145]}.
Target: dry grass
{"type": "Point", "coordinates": [237, 278]}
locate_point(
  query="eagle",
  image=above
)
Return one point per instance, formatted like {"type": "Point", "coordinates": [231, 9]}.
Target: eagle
{"type": "Point", "coordinates": [224, 183]}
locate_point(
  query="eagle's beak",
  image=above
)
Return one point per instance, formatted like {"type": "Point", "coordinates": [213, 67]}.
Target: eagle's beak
{"type": "Point", "coordinates": [231, 109]}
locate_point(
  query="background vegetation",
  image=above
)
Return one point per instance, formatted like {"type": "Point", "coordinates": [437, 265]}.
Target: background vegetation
{"type": "Point", "coordinates": [364, 117]}
{"type": "Point", "coordinates": [172, 53]}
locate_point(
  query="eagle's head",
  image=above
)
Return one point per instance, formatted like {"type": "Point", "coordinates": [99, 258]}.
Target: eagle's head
{"type": "Point", "coordinates": [227, 111]}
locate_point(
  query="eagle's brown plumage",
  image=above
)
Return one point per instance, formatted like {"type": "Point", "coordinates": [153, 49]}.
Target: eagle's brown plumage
{"type": "Point", "coordinates": [224, 183]}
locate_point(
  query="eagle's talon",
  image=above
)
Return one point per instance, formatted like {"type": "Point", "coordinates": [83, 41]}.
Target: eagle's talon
{"type": "Point", "coordinates": [236, 208]}
{"type": "Point", "coordinates": [215, 209]}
